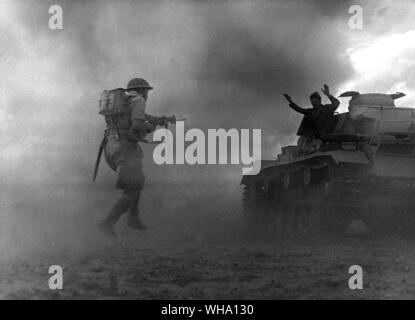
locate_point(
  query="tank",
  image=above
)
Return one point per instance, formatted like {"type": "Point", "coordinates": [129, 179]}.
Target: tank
{"type": "Point", "coordinates": [364, 170]}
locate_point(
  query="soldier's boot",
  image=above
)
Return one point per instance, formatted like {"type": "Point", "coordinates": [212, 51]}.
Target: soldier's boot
{"type": "Point", "coordinates": [135, 222]}
{"type": "Point", "coordinates": [119, 208]}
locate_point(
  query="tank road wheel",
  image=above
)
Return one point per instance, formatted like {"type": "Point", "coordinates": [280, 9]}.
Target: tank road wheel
{"type": "Point", "coordinates": [292, 179]}
{"type": "Point", "coordinates": [287, 180]}
{"type": "Point", "coordinates": [315, 176]}
{"type": "Point", "coordinates": [307, 176]}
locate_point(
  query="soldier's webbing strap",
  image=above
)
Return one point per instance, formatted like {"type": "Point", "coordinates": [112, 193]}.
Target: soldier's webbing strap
{"type": "Point", "coordinates": [98, 160]}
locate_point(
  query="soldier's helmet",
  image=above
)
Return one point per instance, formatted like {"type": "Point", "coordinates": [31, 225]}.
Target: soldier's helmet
{"type": "Point", "coordinates": [138, 83]}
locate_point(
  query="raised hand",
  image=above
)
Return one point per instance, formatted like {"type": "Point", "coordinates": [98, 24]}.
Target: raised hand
{"type": "Point", "coordinates": [286, 96]}
{"type": "Point", "coordinates": [326, 90]}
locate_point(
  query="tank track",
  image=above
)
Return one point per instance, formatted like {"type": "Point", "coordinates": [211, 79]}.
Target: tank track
{"type": "Point", "coordinates": [298, 201]}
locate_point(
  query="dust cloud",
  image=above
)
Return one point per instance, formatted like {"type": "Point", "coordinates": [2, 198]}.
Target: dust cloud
{"type": "Point", "coordinates": [221, 64]}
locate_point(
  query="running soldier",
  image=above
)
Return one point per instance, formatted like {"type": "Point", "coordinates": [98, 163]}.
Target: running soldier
{"type": "Point", "coordinates": [124, 154]}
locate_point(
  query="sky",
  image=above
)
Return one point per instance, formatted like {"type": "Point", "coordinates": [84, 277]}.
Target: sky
{"type": "Point", "coordinates": [223, 64]}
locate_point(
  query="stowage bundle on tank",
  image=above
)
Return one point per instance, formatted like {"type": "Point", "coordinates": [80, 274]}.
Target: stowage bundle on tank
{"type": "Point", "coordinates": [359, 167]}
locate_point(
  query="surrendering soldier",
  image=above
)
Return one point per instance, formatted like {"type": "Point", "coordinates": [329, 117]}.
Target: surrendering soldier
{"type": "Point", "coordinates": [318, 120]}
{"type": "Point", "coordinates": [124, 154]}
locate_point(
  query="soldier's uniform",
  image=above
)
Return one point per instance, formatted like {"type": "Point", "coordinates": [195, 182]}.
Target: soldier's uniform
{"type": "Point", "coordinates": [124, 155]}
{"type": "Point", "coordinates": [316, 122]}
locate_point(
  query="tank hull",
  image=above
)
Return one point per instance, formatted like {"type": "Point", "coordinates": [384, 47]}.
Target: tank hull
{"type": "Point", "coordinates": [320, 194]}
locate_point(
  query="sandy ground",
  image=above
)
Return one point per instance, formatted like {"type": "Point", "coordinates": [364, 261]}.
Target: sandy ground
{"type": "Point", "coordinates": [205, 252]}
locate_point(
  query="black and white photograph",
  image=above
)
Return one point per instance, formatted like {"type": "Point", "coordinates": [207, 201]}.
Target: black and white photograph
{"type": "Point", "coordinates": [207, 154]}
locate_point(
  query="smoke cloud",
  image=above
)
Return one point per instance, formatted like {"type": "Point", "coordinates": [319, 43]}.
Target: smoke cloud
{"type": "Point", "coordinates": [223, 64]}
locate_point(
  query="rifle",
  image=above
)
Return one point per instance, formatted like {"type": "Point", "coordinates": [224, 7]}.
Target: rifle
{"type": "Point", "coordinates": [162, 121]}
{"type": "Point", "coordinates": [101, 148]}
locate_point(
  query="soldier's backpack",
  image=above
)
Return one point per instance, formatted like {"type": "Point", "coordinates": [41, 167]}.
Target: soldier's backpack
{"type": "Point", "coordinates": [112, 102]}
{"type": "Point", "coordinates": [111, 105]}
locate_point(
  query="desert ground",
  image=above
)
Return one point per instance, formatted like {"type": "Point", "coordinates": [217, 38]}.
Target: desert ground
{"type": "Point", "coordinates": [192, 249]}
